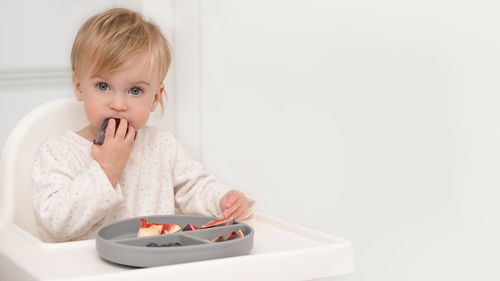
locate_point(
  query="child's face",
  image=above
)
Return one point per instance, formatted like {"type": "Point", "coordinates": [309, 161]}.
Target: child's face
{"type": "Point", "coordinates": [131, 93]}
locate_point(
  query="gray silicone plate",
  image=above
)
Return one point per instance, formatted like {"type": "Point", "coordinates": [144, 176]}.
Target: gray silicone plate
{"type": "Point", "coordinates": [117, 242]}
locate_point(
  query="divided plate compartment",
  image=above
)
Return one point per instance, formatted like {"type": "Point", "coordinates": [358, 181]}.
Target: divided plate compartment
{"type": "Point", "coordinates": [118, 242]}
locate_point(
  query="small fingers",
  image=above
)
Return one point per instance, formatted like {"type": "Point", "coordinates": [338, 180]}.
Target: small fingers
{"type": "Point", "coordinates": [110, 129]}
{"type": "Point", "coordinates": [130, 137]}
{"type": "Point", "coordinates": [122, 128]}
{"type": "Point", "coordinates": [229, 212]}
{"type": "Point", "coordinates": [231, 199]}
{"type": "Point", "coordinates": [240, 213]}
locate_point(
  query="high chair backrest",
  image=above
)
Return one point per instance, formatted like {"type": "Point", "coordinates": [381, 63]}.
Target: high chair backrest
{"type": "Point", "coordinates": [16, 163]}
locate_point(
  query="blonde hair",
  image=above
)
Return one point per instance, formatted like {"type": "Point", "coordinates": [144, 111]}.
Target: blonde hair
{"type": "Point", "coordinates": [107, 41]}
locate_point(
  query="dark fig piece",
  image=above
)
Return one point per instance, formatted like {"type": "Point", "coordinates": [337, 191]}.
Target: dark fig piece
{"type": "Point", "coordinates": [235, 235]}
{"type": "Point", "coordinates": [190, 227]}
{"type": "Point", "coordinates": [101, 132]}
{"type": "Point", "coordinates": [218, 239]}
{"type": "Point", "coordinates": [231, 235]}
{"type": "Point", "coordinates": [219, 222]}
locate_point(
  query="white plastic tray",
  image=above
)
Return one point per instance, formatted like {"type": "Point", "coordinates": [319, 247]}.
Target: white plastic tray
{"type": "Point", "coordinates": [282, 251]}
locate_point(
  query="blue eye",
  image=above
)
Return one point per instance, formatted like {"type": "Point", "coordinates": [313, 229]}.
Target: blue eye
{"type": "Point", "coordinates": [135, 91]}
{"type": "Point", "coordinates": [102, 86]}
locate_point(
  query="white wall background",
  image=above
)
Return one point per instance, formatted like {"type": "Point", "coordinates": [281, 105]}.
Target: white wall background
{"type": "Point", "coordinates": [372, 120]}
{"type": "Point", "coordinates": [35, 47]}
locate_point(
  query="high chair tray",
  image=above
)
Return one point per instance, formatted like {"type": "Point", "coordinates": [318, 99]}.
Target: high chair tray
{"type": "Point", "coordinates": [118, 242]}
{"type": "Point", "coordinates": [281, 251]}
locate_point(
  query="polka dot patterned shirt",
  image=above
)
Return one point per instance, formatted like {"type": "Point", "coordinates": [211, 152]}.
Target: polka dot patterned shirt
{"type": "Point", "coordinates": [73, 197]}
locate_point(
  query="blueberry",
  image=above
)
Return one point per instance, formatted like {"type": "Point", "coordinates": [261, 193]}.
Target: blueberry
{"type": "Point", "coordinates": [152, 244]}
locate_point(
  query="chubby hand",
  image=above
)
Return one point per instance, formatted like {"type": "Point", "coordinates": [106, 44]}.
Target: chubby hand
{"type": "Point", "coordinates": [113, 154]}
{"type": "Point", "coordinates": [234, 204]}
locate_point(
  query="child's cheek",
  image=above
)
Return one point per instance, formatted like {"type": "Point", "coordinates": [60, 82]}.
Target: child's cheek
{"type": "Point", "coordinates": [140, 119]}
{"type": "Point", "coordinates": [93, 112]}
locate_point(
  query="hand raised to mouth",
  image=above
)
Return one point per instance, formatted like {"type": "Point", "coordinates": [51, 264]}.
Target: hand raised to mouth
{"type": "Point", "coordinates": [101, 132]}
{"type": "Point", "coordinates": [114, 152]}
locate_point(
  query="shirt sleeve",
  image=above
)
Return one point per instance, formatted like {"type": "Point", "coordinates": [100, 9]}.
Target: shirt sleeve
{"type": "Point", "coordinates": [196, 190]}
{"type": "Point", "coordinates": [69, 195]}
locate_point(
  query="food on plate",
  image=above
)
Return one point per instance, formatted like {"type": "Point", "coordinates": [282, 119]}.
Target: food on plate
{"type": "Point", "coordinates": [219, 222]}
{"type": "Point", "coordinates": [190, 227]}
{"type": "Point", "coordinates": [218, 239]}
{"type": "Point", "coordinates": [149, 231]}
{"type": "Point", "coordinates": [235, 234]}
{"type": "Point", "coordinates": [152, 229]}
{"type": "Point", "coordinates": [153, 244]}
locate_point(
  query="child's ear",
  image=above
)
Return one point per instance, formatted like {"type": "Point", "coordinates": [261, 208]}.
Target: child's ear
{"type": "Point", "coordinates": [157, 97]}
{"type": "Point", "coordinates": [77, 87]}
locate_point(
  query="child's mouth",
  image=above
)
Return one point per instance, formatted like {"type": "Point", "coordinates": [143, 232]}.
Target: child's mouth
{"type": "Point", "coordinates": [101, 132]}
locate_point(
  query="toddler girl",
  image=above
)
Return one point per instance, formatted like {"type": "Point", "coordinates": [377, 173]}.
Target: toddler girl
{"type": "Point", "coordinates": [119, 61]}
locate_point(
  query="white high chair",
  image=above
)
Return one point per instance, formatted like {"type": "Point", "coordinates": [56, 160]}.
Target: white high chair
{"type": "Point", "coordinates": [49, 119]}
{"type": "Point", "coordinates": [281, 251]}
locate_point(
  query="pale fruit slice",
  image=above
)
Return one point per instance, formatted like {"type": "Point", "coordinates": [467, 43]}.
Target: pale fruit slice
{"type": "Point", "coordinates": [149, 231]}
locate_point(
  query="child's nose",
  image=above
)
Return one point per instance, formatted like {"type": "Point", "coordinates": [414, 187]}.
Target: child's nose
{"type": "Point", "coordinates": [118, 103]}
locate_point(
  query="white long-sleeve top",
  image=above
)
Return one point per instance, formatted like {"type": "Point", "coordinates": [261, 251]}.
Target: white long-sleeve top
{"type": "Point", "coordinates": [73, 197]}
